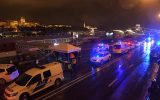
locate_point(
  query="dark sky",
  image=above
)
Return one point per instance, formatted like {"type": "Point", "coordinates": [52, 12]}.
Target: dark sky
{"type": "Point", "coordinates": [101, 13]}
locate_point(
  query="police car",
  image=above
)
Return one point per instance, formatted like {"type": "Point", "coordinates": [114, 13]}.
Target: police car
{"type": "Point", "coordinates": [101, 48]}
{"type": "Point", "coordinates": [35, 80]}
{"type": "Point", "coordinates": [8, 72]}
{"type": "Point", "coordinates": [101, 57]}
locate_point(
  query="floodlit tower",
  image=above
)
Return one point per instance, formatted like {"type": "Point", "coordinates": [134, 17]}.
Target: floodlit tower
{"type": "Point", "coordinates": [22, 20]}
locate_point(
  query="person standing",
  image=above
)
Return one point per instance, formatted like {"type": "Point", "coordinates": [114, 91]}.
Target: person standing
{"type": "Point", "coordinates": [70, 69]}
{"type": "Point", "coordinates": [37, 61]}
{"type": "Point", "coordinates": [11, 62]}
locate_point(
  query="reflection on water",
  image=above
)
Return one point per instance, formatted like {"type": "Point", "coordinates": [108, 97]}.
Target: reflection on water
{"type": "Point", "coordinates": [137, 80]}
{"type": "Point", "coordinates": [147, 50]}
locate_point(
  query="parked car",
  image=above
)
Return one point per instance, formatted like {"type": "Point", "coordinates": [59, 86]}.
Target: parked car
{"type": "Point", "coordinates": [8, 72]}
{"type": "Point", "coordinates": [35, 80]}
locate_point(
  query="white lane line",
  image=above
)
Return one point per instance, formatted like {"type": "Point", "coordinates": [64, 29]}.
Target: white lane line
{"type": "Point", "coordinates": [65, 85]}
{"type": "Point", "coordinates": [69, 84]}
{"type": "Point", "coordinates": [131, 65]}
{"type": "Point", "coordinates": [49, 96]}
{"type": "Point", "coordinates": [112, 82]}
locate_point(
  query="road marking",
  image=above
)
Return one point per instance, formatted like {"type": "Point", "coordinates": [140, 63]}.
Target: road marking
{"type": "Point", "coordinates": [112, 82]}
{"type": "Point", "coordinates": [73, 82]}
{"type": "Point", "coordinates": [65, 85]}
{"type": "Point", "coordinates": [65, 88]}
{"type": "Point", "coordinates": [131, 65]}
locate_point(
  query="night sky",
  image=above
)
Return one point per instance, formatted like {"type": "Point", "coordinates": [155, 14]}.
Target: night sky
{"type": "Point", "coordinates": [101, 13]}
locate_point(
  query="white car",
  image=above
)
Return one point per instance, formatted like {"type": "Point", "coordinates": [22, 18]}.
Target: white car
{"type": "Point", "coordinates": [100, 57]}
{"type": "Point", "coordinates": [8, 72]}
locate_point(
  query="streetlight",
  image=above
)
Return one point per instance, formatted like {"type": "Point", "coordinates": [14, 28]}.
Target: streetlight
{"type": "Point", "coordinates": [159, 15]}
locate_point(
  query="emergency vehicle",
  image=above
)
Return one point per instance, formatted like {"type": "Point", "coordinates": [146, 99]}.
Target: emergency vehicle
{"type": "Point", "coordinates": [35, 80]}
{"type": "Point", "coordinates": [120, 47]}
{"type": "Point", "coordinates": [100, 57]}
{"type": "Point", "coordinates": [8, 72]}
{"type": "Point", "coordinates": [102, 48]}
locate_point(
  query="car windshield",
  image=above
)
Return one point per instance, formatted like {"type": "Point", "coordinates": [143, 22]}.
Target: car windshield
{"type": "Point", "coordinates": [117, 46]}
{"type": "Point", "coordinates": [23, 79]}
{"type": "Point", "coordinates": [11, 69]}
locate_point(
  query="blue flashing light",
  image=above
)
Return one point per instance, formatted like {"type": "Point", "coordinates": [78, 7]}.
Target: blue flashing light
{"type": "Point", "coordinates": [97, 56]}
{"type": "Point", "coordinates": [102, 44]}
{"type": "Point", "coordinates": [119, 66]}
{"type": "Point", "coordinates": [149, 38]}
{"type": "Point", "coordinates": [158, 43]}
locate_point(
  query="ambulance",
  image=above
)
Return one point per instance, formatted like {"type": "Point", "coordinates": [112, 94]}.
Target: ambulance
{"type": "Point", "coordinates": [35, 80]}
{"type": "Point", "coordinates": [120, 47]}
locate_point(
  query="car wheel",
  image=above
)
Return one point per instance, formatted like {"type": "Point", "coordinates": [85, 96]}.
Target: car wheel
{"type": "Point", "coordinates": [58, 82]}
{"type": "Point", "coordinates": [2, 81]}
{"type": "Point", "coordinates": [24, 96]}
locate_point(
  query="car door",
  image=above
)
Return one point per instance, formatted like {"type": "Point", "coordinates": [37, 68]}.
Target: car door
{"type": "Point", "coordinates": [2, 73]}
{"type": "Point", "coordinates": [47, 79]}
{"type": "Point", "coordinates": [105, 56]}
{"type": "Point", "coordinates": [35, 84]}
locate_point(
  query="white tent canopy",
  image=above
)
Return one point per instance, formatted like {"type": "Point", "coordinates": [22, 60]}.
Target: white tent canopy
{"type": "Point", "coordinates": [65, 48]}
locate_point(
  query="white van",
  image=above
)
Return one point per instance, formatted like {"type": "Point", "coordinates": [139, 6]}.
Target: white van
{"type": "Point", "coordinates": [120, 47]}
{"type": "Point", "coordinates": [34, 80]}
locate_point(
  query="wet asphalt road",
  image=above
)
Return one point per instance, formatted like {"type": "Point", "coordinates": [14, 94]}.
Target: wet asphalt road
{"type": "Point", "coordinates": [124, 77]}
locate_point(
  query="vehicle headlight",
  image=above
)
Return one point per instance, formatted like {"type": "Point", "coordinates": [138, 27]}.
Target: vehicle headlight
{"type": "Point", "coordinates": [97, 59]}
{"type": "Point", "coordinates": [14, 94]}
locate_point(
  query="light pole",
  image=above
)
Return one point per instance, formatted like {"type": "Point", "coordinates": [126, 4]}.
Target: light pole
{"type": "Point", "coordinates": [159, 15]}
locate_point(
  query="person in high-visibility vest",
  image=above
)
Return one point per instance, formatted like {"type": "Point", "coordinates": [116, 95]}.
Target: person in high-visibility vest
{"type": "Point", "coordinates": [74, 61]}
{"type": "Point", "coordinates": [70, 69]}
